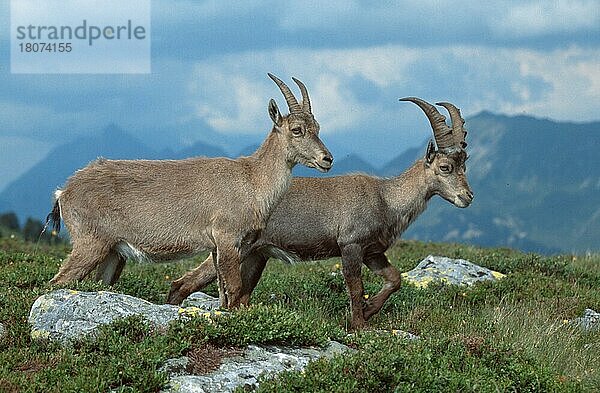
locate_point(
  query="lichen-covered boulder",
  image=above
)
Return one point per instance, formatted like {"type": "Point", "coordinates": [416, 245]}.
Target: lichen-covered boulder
{"type": "Point", "coordinates": [449, 271]}
{"type": "Point", "coordinates": [245, 369]}
{"type": "Point", "coordinates": [201, 300]}
{"type": "Point", "coordinates": [397, 333]}
{"type": "Point", "coordinates": [589, 321]}
{"type": "Point", "coordinates": [65, 315]}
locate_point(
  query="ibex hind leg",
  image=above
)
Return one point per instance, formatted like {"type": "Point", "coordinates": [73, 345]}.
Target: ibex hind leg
{"type": "Point", "coordinates": [87, 254]}
{"type": "Point", "coordinates": [193, 281]}
{"type": "Point", "coordinates": [380, 265]}
{"type": "Point", "coordinates": [252, 269]}
{"type": "Point", "coordinates": [111, 268]}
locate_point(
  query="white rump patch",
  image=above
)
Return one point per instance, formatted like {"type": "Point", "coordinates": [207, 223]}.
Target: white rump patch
{"type": "Point", "coordinates": [283, 255]}
{"type": "Point", "coordinates": [128, 251]}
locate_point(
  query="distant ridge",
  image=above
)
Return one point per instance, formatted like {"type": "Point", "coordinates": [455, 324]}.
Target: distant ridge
{"type": "Point", "coordinates": [30, 195]}
{"type": "Point", "coordinates": [536, 185]}
{"type": "Point", "coordinates": [536, 181]}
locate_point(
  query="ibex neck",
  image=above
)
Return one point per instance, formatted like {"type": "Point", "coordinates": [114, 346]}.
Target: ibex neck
{"type": "Point", "coordinates": [272, 173]}
{"type": "Point", "coordinates": [407, 196]}
{"type": "Point", "coordinates": [273, 149]}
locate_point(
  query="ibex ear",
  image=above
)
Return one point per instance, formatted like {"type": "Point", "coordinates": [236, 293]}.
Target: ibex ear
{"type": "Point", "coordinates": [430, 155]}
{"type": "Point", "coordinates": [275, 114]}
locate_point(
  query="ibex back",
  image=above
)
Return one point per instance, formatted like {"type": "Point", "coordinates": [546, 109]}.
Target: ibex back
{"type": "Point", "coordinates": [357, 217]}
{"type": "Point", "coordinates": [174, 208]}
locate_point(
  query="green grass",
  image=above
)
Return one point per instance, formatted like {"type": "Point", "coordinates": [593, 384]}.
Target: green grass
{"type": "Point", "coordinates": [505, 336]}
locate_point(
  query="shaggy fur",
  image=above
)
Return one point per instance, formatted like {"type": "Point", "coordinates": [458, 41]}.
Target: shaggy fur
{"type": "Point", "coordinates": [356, 217]}
{"type": "Point", "coordinates": [169, 209]}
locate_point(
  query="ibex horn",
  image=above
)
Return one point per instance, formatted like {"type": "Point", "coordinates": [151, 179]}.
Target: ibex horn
{"type": "Point", "coordinates": [441, 132]}
{"type": "Point", "coordinates": [305, 99]}
{"type": "Point", "coordinates": [458, 131]}
{"type": "Point", "coordinates": [287, 93]}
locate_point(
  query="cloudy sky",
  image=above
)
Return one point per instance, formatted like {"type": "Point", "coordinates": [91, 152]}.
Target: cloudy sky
{"type": "Point", "coordinates": [210, 59]}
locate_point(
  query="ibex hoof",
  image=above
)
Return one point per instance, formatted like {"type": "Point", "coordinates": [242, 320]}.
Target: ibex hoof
{"type": "Point", "coordinates": [357, 324]}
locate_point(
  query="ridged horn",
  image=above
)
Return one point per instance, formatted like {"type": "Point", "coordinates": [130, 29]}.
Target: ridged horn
{"type": "Point", "coordinates": [305, 98]}
{"type": "Point", "coordinates": [458, 131]}
{"type": "Point", "coordinates": [292, 103]}
{"type": "Point", "coordinates": [441, 132]}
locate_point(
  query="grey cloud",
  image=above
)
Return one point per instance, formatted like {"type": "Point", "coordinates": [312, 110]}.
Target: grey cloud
{"type": "Point", "coordinates": [210, 60]}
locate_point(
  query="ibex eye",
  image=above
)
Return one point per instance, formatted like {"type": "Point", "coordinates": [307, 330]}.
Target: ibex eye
{"type": "Point", "coordinates": [445, 168]}
{"type": "Point", "coordinates": [297, 131]}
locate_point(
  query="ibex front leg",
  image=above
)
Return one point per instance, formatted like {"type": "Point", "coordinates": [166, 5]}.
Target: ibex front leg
{"type": "Point", "coordinates": [352, 256]}
{"type": "Point", "coordinates": [195, 280]}
{"type": "Point", "coordinates": [228, 271]}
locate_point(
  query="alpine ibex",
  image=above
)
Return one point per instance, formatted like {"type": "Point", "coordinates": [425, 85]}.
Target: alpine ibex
{"type": "Point", "coordinates": [357, 217]}
{"type": "Point", "coordinates": [174, 208]}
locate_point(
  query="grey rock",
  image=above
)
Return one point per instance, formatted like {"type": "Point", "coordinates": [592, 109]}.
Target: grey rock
{"type": "Point", "coordinates": [246, 369]}
{"type": "Point", "coordinates": [401, 334]}
{"type": "Point", "coordinates": [65, 315]}
{"type": "Point", "coordinates": [176, 366]}
{"type": "Point", "coordinates": [202, 301]}
{"type": "Point", "coordinates": [449, 271]}
{"type": "Point", "coordinates": [405, 335]}
{"type": "Point", "coordinates": [589, 321]}
{"type": "Point", "coordinates": [397, 333]}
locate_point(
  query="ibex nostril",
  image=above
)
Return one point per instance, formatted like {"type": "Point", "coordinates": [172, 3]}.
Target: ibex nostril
{"type": "Point", "coordinates": [328, 159]}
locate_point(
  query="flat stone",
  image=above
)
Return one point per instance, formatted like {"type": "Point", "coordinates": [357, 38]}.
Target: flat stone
{"type": "Point", "coordinates": [245, 370]}
{"type": "Point", "coordinates": [449, 271]}
{"type": "Point", "coordinates": [65, 315]}
{"type": "Point", "coordinates": [202, 301]}
{"type": "Point", "coordinates": [397, 333]}
{"type": "Point", "coordinates": [590, 320]}
{"type": "Point", "coordinates": [176, 366]}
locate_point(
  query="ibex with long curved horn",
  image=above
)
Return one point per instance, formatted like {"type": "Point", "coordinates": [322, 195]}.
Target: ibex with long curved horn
{"type": "Point", "coordinates": [357, 217]}
{"type": "Point", "coordinates": [174, 208]}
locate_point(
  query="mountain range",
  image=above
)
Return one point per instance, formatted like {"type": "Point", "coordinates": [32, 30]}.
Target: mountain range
{"type": "Point", "coordinates": [536, 185]}
{"type": "Point", "coordinates": [536, 181]}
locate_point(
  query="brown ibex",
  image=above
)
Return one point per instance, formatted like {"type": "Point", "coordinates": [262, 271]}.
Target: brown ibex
{"type": "Point", "coordinates": [168, 209]}
{"type": "Point", "coordinates": [357, 217]}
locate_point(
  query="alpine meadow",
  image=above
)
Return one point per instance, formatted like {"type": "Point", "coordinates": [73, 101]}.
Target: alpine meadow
{"type": "Point", "coordinates": [280, 196]}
